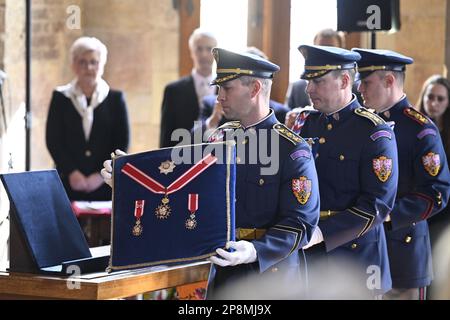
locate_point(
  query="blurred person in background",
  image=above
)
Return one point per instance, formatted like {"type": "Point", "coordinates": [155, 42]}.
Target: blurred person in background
{"type": "Point", "coordinates": [86, 122]}
{"type": "Point", "coordinates": [183, 99]}
{"type": "Point", "coordinates": [434, 102]}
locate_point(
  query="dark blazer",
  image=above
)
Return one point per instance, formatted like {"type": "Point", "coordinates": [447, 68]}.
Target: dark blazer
{"type": "Point", "coordinates": [180, 109]}
{"type": "Point", "coordinates": [70, 150]}
{"type": "Point", "coordinates": [279, 109]}
{"type": "Point", "coordinates": [297, 97]}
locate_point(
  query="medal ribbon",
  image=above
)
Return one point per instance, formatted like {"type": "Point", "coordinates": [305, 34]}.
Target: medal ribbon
{"type": "Point", "coordinates": [193, 202]}
{"type": "Point", "coordinates": [155, 187]}
{"type": "Point", "coordinates": [139, 208]}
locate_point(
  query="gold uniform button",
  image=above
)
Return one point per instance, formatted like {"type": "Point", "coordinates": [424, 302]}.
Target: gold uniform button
{"type": "Point", "coordinates": [329, 126]}
{"type": "Point", "coordinates": [245, 141]}
{"type": "Point", "coordinates": [275, 269]}
{"type": "Point", "coordinates": [261, 182]}
{"type": "Point", "coordinates": [354, 245]}
{"type": "Point", "coordinates": [88, 153]}
{"type": "Point", "coordinates": [238, 160]}
{"type": "Point", "coordinates": [341, 157]}
{"type": "Point", "coordinates": [322, 140]}
{"type": "Point", "coordinates": [408, 239]}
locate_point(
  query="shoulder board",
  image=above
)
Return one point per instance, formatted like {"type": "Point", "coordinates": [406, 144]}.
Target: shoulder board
{"type": "Point", "coordinates": [285, 132]}
{"type": "Point", "coordinates": [231, 125]}
{"type": "Point", "coordinates": [416, 116]}
{"type": "Point", "coordinates": [376, 119]}
{"type": "Point", "coordinates": [218, 134]}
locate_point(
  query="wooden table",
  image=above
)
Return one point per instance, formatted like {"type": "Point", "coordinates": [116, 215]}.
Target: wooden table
{"type": "Point", "coordinates": [100, 286]}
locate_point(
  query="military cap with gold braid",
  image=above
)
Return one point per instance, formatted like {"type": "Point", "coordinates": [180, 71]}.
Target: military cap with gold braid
{"type": "Point", "coordinates": [319, 60]}
{"type": "Point", "coordinates": [232, 65]}
{"type": "Point", "coordinates": [374, 59]}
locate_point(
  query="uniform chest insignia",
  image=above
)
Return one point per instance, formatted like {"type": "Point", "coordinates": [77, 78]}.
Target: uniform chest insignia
{"type": "Point", "coordinates": [336, 116]}
{"type": "Point", "coordinates": [432, 163]}
{"type": "Point", "coordinates": [376, 120]}
{"type": "Point", "coordinates": [302, 189]}
{"type": "Point", "coordinates": [416, 116]}
{"type": "Point", "coordinates": [287, 133]}
{"type": "Point", "coordinates": [382, 166]}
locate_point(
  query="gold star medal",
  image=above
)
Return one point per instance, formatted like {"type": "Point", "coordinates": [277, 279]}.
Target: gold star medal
{"type": "Point", "coordinates": [163, 210]}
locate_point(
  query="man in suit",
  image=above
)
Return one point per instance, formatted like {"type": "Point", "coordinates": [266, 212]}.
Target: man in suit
{"type": "Point", "coordinates": [182, 100]}
{"type": "Point", "coordinates": [424, 178]}
{"type": "Point", "coordinates": [356, 160]}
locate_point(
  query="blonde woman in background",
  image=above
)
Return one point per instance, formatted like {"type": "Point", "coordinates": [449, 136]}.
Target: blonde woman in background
{"type": "Point", "coordinates": [86, 122]}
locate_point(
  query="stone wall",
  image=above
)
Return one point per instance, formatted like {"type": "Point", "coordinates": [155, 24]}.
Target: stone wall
{"type": "Point", "coordinates": [142, 38]}
{"type": "Point", "coordinates": [12, 142]}
{"type": "Point", "coordinates": [51, 39]}
{"type": "Point", "coordinates": [423, 36]}
{"type": "Point", "coordinates": [2, 32]}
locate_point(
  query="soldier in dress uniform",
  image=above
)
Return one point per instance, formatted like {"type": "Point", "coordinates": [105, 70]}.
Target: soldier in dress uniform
{"type": "Point", "coordinates": [277, 211]}
{"type": "Point", "coordinates": [424, 179]}
{"type": "Point", "coordinates": [356, 160]}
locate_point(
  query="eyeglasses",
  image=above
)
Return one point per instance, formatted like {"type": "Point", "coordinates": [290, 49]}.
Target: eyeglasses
{"type": "Point", "coordinates": [432, 97]}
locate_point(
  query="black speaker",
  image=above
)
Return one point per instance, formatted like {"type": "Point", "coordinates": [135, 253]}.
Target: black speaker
{"type": "Point", "coordinates": [368, 15]}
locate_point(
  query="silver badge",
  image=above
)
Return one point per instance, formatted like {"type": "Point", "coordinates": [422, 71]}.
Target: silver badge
{"type": "Point", "coordinates": [166, 167]}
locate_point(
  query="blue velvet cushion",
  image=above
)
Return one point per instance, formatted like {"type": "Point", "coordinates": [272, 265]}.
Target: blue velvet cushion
{"type": "Point", "coordinates": [168, 240]}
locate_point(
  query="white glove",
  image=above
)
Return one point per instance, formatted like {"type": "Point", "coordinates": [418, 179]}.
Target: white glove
{"type": "Point", "coordinates": [107, 167]}
{"type": "Point", "coordinates": [317, 237]}
{"type": "Point", "coordinates": [245, 252]}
